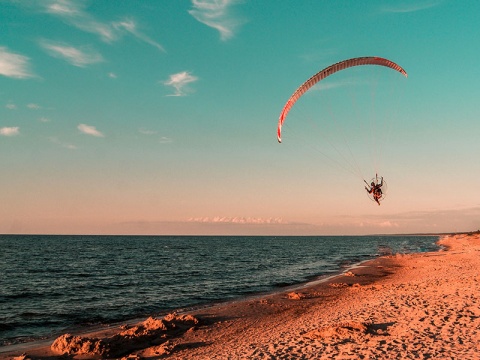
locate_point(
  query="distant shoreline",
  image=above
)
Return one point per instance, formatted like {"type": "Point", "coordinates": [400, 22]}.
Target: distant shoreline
{"type": "Point", "coordinates": [245, 235]}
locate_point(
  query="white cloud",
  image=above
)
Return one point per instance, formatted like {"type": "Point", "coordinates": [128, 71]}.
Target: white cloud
{"type": "Point", "coordinates": [34, 106]}
{"type": "Point", "coordinates": [44, 119]}
{"type": "Point", "coordinates": [62, 7]}
{"type": "Point", "coordinates": [10, 131]}
{"type": "Point", "coordinates": [112, 75]}
{"type": "Point", "coordinates": [89, 130]}
{"type": "Point", "coordinates": [237, 220]}
{"type": "Point", "coordinates": [412, 6]}
{"type": "Point", "coordinates": [388, 224]}
{"type": "Point", "coordinates": [217, 15]}
{"type": "Point", "coordinates": [74, 13]}
{"type": "Point", "coordinates": [11, 106]}
{"type": "Point", "coordinates": [75, 56]}
{"type": "Point", "coordinates": [179, 81]}
{"type": "Point", "coordinates": [14, 65]}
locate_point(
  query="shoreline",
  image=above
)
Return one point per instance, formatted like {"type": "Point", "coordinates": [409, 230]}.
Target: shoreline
{"type": "Point", "coordinates": [310, 320]}
{"type": "Point", "coordinates": [104, 328]}
{"type": "Point", "coordinates": [312, 280]}
{"type": "Point", "coordinates": [40, 349]}
{"type": "Point", "coordinates": [306, 280]}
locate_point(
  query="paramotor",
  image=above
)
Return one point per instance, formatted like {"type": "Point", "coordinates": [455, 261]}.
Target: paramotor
{"type": "Point", "coordinates": [377, 187]}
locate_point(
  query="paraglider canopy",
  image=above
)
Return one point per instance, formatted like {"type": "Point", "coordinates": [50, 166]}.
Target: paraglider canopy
{"type": "Point", "coordinates": [369, 60]}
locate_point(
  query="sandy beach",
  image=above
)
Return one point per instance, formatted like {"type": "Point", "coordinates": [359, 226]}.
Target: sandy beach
{"type": "Point", "coordinates": [417, 306]}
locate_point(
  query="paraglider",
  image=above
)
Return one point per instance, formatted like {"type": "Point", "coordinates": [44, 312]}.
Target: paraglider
{"type": "Point", "coordinates": [375, 189]}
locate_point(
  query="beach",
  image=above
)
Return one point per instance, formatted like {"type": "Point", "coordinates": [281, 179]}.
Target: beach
{"type": "Point", "coordinates": [412, 306]}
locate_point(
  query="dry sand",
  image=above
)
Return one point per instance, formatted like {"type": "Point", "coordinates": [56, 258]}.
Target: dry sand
{"type": "Point", "coordinates": [418, 306]}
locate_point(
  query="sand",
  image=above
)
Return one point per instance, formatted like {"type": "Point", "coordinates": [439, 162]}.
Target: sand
{"type": "Point", "coordinates": [417, 306]}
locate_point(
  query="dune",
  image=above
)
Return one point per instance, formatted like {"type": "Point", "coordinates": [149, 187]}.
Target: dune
{"type": "Point", "coordinates": [394, 307]}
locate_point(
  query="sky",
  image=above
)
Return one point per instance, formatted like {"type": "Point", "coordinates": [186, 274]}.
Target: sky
{"type": "Point", "coordinates": [160, 117]}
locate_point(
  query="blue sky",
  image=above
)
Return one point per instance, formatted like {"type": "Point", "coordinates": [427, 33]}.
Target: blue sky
{"type": "Point", "coordinates": [160, 117]}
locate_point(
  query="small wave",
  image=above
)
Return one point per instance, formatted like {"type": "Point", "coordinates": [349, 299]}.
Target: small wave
{"type": "Point", "coordinates": [22, 295]}
{"type": "Point", "coordinates": [6, 327]}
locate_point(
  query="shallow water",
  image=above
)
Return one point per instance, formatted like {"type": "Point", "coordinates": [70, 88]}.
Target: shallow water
{"type": "Point", "coordinates": [52, 284]}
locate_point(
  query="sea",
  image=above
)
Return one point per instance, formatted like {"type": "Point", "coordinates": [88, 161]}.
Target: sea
{"type": "Point", "coordinates": [50, 285]}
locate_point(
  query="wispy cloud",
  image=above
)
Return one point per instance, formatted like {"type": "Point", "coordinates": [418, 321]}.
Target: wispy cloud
{"type": "Point", "coordinates": [80, 57]}
{"type": "Point", "coordinates": [14, 65]}
{"type": "Point", "coordinates": [377, 223]}
{"type": "Point", "coordinates": [62, 7]}
{"type": "Point", "coordinates": [179, 82]}
{"type": "Point", "coordinates": [441, 216]}
{"type": "Point", "coordinates": [165, 140]}
{"type": "Point", "coordinates": [434, 220]}
{"type": "Point", "coordinates": [11, 106]}
{"type": "Point", "coordinates": [89, 130]}
{"type": "Point", "coordinates": [34, 106]}
{"type": "Point", "coordinates": [9, 131]}
{"type": "Point", "coordinates": [129, 26]}
{"type": "Point", "coordinates": [145, 131]}
{"type": "Point", "coordinates": [411, 6]}
{"type": "Point", "coordinates": [54, 140]}
{"type": "Point", "coordinates": [217, 14]}
{"type": "Point", "coordinates": [112, 75]}
{"type": "Point", "coordinates": [334, 84]}
{"type": "Point", "coordinates": [74, 13]}
{"type": "Point", "coordinates": [237, 220]}
{"type": "Point", "coordinates": [321, 53]}
{"type": "Point", "coordinates": [44, 119]}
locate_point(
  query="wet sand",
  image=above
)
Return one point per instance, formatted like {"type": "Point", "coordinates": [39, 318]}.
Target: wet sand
{"type": "Point", "coordinates": [417, 306]}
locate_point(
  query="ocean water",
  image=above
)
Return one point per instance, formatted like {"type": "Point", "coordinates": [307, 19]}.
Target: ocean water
{"type": "Point", "coordinates": [53, 284]}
